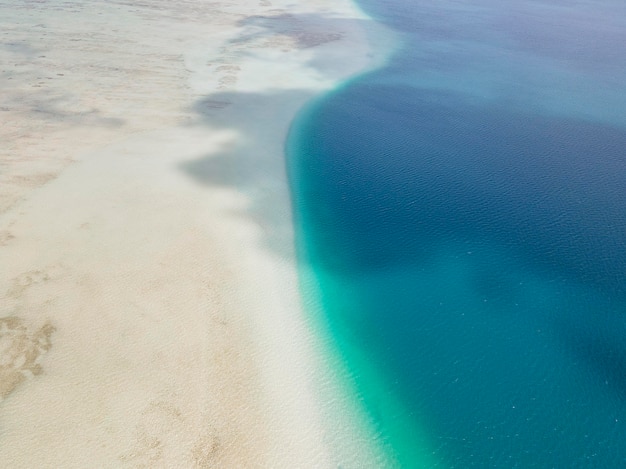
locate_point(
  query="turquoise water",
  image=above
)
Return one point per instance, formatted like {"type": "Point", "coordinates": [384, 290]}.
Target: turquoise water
{"type": "Point", "coordinates": [464, 212]}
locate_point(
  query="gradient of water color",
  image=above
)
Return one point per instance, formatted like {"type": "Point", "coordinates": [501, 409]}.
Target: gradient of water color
{"type": "Point", "coordinates": [464, 212]}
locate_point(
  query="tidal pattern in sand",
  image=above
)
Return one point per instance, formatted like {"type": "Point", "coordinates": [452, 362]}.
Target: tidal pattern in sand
{"type": "Point", "coordinates": [464, 212]}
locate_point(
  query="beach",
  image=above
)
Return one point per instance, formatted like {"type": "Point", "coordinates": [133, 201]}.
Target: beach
{"type": "Point", "coordinates": [150, 314]}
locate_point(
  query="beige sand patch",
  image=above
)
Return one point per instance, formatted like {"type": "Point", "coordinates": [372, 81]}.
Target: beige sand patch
{"type": "Point", "coordinates": [21, 350]}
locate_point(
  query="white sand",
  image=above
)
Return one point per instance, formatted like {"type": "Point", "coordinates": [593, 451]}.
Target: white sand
{"type": "Point", "coordinates": [149, 312]}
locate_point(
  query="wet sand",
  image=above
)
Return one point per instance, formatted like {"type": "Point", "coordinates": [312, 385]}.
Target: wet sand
{"type": "Point", "coordinates": [149, 312]}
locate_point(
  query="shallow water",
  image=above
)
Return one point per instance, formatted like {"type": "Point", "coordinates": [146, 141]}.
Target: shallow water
{"type": "Point", "coordinates": [464, 211]}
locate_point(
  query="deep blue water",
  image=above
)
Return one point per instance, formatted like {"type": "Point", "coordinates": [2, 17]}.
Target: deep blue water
{"type": "Point", "coordinates": [464, 211]}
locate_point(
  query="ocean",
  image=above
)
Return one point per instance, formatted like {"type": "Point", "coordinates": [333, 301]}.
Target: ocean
{"type": "Point", "coordinates": [463, 209]}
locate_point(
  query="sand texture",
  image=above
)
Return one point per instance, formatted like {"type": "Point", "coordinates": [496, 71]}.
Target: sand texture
{"type": "Point", "coordinates": [149, 306]}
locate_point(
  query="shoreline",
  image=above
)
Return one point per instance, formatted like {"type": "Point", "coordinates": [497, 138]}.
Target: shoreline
{"type": "Point", "coordinates": [150, 296]}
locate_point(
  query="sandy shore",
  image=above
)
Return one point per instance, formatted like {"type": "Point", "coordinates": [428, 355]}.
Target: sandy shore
{"type": "Point", "coordinates": [149, 312]}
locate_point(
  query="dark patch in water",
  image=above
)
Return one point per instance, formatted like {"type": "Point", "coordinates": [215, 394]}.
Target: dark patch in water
{"type": "Point", "coordinates": [480, 244]}
{"type": "Point", "coordinates": [469, 249]}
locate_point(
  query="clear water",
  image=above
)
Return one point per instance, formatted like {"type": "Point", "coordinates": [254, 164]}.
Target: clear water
{"type": "Point", "coordinates": [464, 212]}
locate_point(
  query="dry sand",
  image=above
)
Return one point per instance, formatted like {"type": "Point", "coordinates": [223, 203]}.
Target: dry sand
{"type": "Point", "coordinates": [149, 310]}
